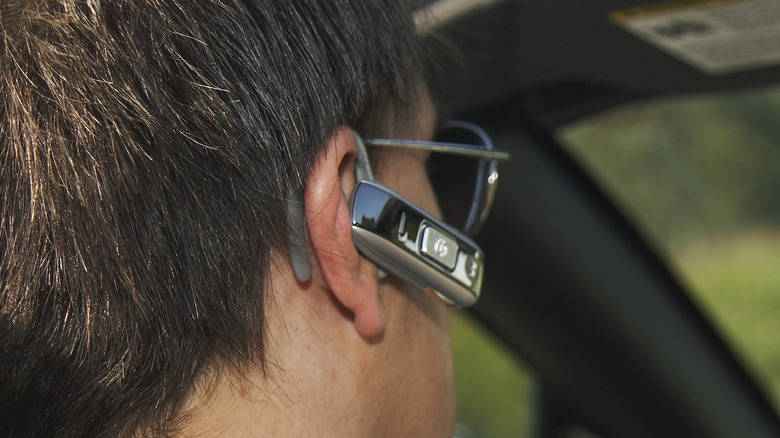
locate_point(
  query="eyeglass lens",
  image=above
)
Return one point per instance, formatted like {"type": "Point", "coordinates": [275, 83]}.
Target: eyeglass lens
{"type": "Point", "coordinates": [456, 179]}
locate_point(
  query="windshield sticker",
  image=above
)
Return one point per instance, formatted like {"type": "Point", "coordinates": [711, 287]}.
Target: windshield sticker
{"type": "Point", "coordinates": [714, 36]}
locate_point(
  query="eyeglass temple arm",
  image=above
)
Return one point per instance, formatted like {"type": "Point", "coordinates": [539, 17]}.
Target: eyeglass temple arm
{"type": "Point", "coordinates": [448, 148]}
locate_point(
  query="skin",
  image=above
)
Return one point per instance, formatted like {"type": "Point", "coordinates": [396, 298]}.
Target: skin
{"type": "Point", "coordinates": [349, 355]}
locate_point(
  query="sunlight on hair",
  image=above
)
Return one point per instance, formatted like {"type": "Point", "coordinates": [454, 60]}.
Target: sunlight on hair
{"type": "Point", "coordinates": [441, 12]}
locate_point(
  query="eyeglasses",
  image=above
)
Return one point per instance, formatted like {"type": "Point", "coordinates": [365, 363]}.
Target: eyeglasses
{"type": "Point", "coordinates": [463, 170]}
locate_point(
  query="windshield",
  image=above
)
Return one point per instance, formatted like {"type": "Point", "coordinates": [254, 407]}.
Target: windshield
{"type": "Point", "coordinates": [700, 176]}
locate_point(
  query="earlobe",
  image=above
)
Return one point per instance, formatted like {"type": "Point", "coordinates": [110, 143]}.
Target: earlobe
{"type": "Point", "coordinates": [351, 278]}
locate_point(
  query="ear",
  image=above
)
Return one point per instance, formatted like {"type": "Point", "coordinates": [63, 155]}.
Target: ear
{"type": "Point", "coordinates": [351, 278]}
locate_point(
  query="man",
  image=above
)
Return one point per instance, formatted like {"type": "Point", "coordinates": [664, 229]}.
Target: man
{"type": "Point", "coordinates": [149, 154]}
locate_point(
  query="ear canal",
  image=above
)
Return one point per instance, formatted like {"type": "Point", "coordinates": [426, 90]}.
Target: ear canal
{"type": "Point", "coordinates": [296, 237]}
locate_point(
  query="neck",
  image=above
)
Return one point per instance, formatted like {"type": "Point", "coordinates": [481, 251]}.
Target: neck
{"type": "Point", "coordinates": [317, 381]}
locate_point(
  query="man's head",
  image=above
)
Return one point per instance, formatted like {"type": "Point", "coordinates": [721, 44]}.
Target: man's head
{"type": "Point", "coordinates": [352, 355]}
{"type": "Point", "coordinates": [147, 152]}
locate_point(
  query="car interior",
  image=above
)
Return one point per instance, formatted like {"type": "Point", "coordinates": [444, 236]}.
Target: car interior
{"type": "Point", "coordinates": [577, 291]}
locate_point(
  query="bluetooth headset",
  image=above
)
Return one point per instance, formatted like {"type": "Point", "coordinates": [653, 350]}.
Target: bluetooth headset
{"type": "Point", "coordinates": [400, 238]}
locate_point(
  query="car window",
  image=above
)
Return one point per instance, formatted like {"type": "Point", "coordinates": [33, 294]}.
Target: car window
{"type": "Point", "coordinates": [700, 176]}
{"type": "Point", "coordinates": [491, 383]}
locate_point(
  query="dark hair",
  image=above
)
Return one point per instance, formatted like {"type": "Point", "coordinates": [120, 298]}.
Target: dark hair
{"type": "Point", "coordinates": [146, 149]}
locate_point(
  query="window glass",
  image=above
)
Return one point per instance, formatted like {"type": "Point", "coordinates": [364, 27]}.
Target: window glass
{"type": "Point", "coordinates": [700, 175]}
{"type": "Point", "coordinates": [492, 387]}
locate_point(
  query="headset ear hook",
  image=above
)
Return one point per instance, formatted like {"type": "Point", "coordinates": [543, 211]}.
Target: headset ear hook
{"type": "Point", "coordinates": [296, 236]}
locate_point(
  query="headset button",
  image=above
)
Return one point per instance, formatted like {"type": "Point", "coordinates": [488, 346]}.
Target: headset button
{"type": "Point", "coordinates": [439, 247]}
